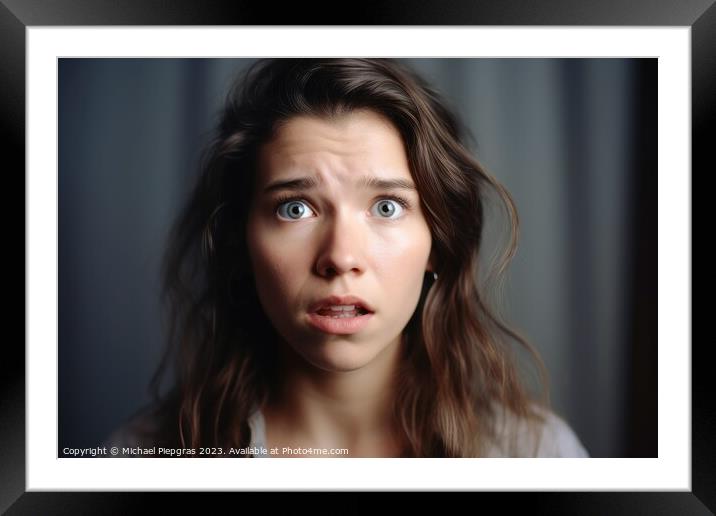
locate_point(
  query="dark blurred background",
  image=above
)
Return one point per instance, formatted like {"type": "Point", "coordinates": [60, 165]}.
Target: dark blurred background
{"type": "Point", "coordinates": [573, 140]}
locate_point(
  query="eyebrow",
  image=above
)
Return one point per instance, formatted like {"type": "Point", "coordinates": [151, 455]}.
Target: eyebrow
{"type": "Point", "coordinates": [367, 182]}
{"type": "Point", "coordinates": [300, 183]}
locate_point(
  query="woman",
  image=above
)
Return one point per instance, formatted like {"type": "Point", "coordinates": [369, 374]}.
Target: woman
{"type": "Point", "coordinates": [323, 281]}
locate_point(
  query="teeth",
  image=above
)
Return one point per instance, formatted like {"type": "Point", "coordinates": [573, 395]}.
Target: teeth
{"type": "Point", "coordinates": [344, 315]}
{"type": "Point", "coordinates": [344, 308]}
{"type": "Point", "coordinates": [341, 311]}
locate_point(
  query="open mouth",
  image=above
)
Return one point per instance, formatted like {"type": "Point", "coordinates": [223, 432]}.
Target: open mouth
{"type": "Point", "coordinates": [340, 315]}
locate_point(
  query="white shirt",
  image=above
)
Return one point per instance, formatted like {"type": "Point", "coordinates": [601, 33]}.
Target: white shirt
{"type": "Point", "coordinates": [553, 439]}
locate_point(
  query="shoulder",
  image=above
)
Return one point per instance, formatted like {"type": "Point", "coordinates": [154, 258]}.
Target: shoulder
{"type": "Point", "coordinates": [547, 436]}
{"type": "Point", "coordinates": [558, 439]}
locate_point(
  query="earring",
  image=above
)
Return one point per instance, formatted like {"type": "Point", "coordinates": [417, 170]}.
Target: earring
{"type": "Point", "coordinates": [435, 275]}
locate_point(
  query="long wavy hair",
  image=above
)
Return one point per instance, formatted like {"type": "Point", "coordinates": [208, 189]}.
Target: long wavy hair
{"type": "Point", "coordinates": [459, 370]}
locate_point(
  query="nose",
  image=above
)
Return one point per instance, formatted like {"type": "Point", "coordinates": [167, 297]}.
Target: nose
{"type": "Point", "coordinates": [341, 247]}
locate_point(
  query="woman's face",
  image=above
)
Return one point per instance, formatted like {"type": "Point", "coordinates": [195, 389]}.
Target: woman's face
{"type": "Point", "coordinates": [338, 242]}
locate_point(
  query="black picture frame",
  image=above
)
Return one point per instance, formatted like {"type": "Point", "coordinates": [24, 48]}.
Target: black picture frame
{"type": "Point", "coordinates": [17, 15]}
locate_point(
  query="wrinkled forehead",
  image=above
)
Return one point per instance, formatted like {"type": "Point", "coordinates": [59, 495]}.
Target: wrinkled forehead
{"type": "Point", "coordinates": [341, 149]}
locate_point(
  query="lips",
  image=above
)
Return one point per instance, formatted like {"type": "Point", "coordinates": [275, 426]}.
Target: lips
{"type": "Point", "coordinates": [340, 315]}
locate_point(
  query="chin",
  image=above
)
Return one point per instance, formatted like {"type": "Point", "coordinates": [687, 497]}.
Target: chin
{"type": "Point", "coordinates": [340, 357]}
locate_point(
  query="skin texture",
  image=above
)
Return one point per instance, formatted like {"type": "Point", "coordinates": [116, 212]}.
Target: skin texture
{"type": "Point", "coordinates": [346, 237]}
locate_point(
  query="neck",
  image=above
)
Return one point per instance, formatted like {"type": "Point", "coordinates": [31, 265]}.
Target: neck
{"type": "Point", "coordinates": [346, 409]}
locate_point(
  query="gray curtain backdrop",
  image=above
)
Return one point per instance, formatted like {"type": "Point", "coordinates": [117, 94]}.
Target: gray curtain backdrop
{"type": "Point", "coordinates": [560, 134]}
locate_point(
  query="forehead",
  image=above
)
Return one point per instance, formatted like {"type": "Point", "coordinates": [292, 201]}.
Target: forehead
{"type": "Point", "coordinates": [357, 143]}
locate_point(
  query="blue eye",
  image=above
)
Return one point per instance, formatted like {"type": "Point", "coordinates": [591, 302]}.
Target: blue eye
{"type": "Point", "coordinates": [294, 210]}
{"type": "Point", "coordinates": [387, 209]}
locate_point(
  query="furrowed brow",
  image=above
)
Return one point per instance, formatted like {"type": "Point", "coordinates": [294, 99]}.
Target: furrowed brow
{"type": "Point", "coordinates": [373, 183]}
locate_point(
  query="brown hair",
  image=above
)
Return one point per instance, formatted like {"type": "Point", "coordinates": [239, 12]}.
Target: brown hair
{"type": "Point", "coordinates": [459, 371]}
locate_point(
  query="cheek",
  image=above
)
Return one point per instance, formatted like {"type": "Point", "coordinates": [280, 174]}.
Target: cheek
{"type": "Point", "coordinates": [277, 266]}
{"type": "Point", "coordinates": [400, 259]}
